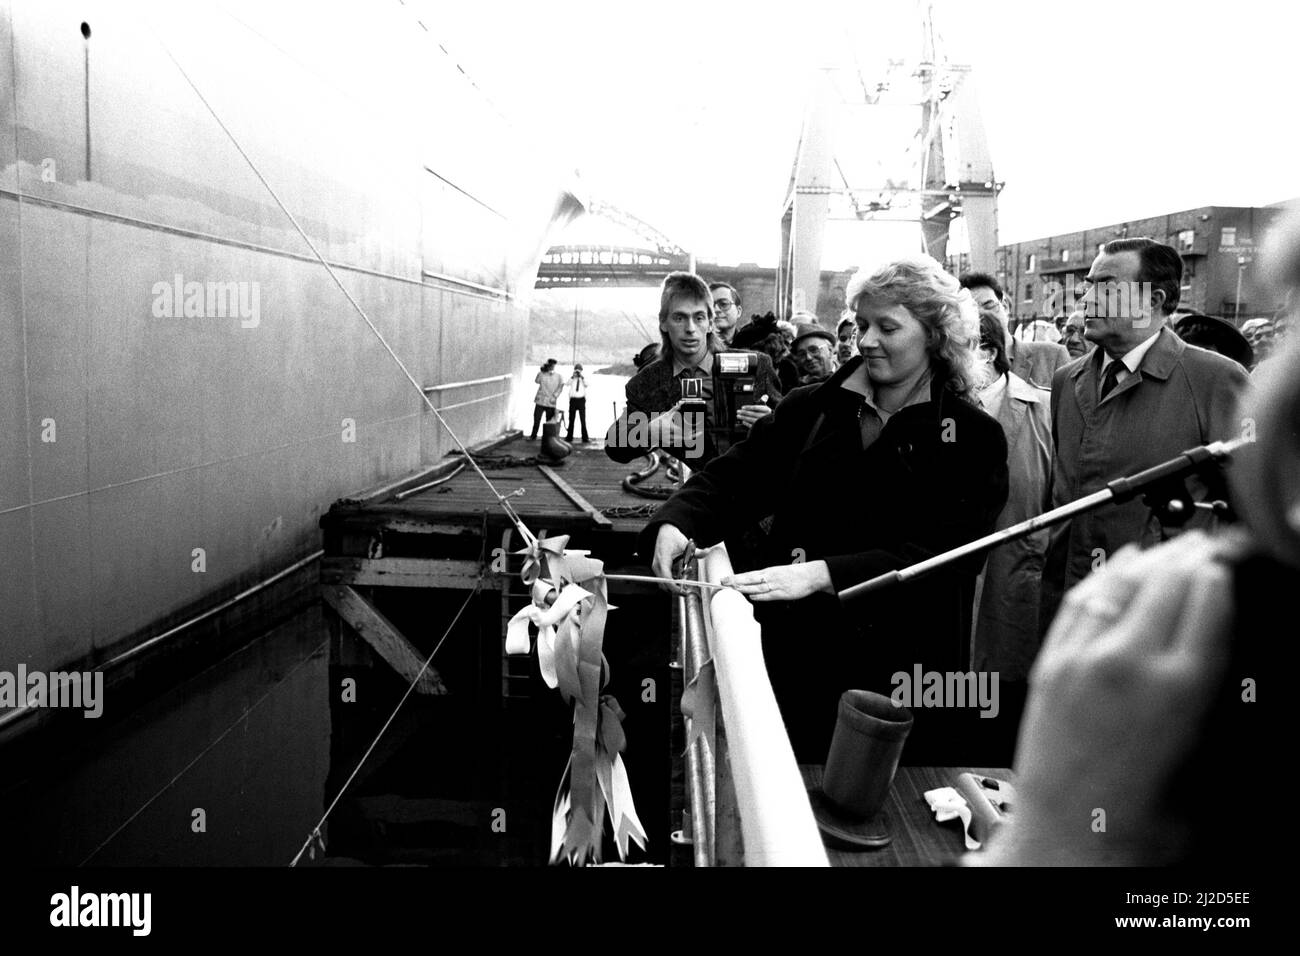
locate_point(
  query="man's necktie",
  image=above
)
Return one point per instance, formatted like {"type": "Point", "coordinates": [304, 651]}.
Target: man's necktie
{"type": "Point", "coordinates": [1109, 378]}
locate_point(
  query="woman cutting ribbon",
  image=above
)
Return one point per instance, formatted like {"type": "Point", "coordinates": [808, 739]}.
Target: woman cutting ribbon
{"type": "Point", "coordinates": [898, 424]}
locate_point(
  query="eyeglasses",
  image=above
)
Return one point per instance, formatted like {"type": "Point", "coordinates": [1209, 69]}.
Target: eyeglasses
{"type": "Point", "coordinates": [721, 305]}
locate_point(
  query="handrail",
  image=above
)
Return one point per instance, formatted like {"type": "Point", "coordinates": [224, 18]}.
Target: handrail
{"type": "Point", "coordinates": [466, 384]}
{"type": "Point", "coordinates": [776, 818]}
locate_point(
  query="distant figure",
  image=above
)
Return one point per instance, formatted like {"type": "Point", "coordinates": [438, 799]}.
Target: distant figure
{"type": "Point", "coordinates": [787, 330]}
{"type": "Point", "coordinates": [1034, 361]}
{"type": "Point", "coordinates": [846, 336]}
{"type": "Point", "coordinates": [549, 386]}
{"type": "Point", "coordinates": [578, 402]}
{"type": "Point", "coordinates": [659, 412]}
{"type": "Point", "coordinates": [1038, 330]}
{"type": "Point", "coordinates": [813, 351]}
{"type": "Point", "coordinates": [1141, 397]}
{"type": "Point", "coordinates": [647, 355]}
{"type": "Point", "coordinates": [726, 310]}
{"type": "Point", "coordinates": [1259, 333]}
{"type": "Point", "coordinates": [765, 335]}
{"type": "Point", "coordinates": [1072, 335]}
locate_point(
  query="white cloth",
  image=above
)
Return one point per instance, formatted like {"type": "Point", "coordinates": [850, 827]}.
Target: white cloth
{"type": "Point", "coordinates": [578, 387]}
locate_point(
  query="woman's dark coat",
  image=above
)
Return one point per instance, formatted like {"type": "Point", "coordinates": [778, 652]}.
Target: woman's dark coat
{"type": "Point", "coordinates": [935, 478]}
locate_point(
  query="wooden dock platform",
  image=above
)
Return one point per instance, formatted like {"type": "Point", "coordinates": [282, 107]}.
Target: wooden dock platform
{"type": "Point", "coordinates": [397, 565]}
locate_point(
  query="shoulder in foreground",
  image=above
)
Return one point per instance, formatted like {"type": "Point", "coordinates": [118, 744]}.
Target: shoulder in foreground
{"type": "Point", "coordinates": [1211, 363]}
{"type": "Point", "coordinates": [1070, 367]}
{"type": "Point", "coordinates": [1046, 348]}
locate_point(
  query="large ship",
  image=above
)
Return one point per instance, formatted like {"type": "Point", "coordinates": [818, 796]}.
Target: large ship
{"type": "Point", "coordinates": [185, 386]}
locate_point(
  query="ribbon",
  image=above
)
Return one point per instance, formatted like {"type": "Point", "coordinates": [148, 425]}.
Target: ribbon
{"type": "Point", "coordinates": [699, 699]}
{"type": "Point", "coordinates": [568, 608]}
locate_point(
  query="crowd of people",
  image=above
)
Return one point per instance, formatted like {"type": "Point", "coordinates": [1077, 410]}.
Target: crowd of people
{"type": "Point", "coordinates": [938, 424]}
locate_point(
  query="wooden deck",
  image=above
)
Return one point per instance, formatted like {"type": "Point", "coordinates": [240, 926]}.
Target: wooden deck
{"type": "Point", "coordinates": [397, 565]}
{"type": "Point", "coordinates": [582, 493]}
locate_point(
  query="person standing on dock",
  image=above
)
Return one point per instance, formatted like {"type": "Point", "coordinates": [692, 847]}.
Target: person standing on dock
{"type": "Point", "coordinates": [578, 402]}
{"type": "Point", "coordinates": [549, 386]}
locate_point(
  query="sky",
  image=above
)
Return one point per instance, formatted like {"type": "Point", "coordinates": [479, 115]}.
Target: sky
{"type": "Point", "coordinates": [687, 114]}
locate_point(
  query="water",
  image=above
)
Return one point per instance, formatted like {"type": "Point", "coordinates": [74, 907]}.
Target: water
{"type": "Point", "coordinates": [227, 768]}
{"type": "Point", "coordinates": [235, 766]}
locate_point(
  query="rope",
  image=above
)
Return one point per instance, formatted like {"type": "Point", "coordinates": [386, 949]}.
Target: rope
{"type": "Point", "coordinates": [502, 500]}
{"type": "Point", "coordinates": [502, 462]}
{"type": "Point", "coordinates": [629, 511]}
{"type": "Point", "coordinates": [315, 834]}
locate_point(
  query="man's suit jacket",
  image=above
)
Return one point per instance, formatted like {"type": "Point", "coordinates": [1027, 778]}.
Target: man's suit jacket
{"type": "Point", "coordinates": [1182, 396]}
{"type": "Point", "coordinates": [653, 390]}
{"type": "Point", "coordinates": [1037, 362]}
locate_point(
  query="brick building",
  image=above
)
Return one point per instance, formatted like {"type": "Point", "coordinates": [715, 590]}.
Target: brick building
{"type": "Point", "coordinates": [1217, 244]}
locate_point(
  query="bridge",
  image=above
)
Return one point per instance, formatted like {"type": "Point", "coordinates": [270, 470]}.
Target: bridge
{"type": "Point", "coordinates": [592, 266]}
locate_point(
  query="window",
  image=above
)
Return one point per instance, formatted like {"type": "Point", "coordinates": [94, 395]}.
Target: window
{"type": "Point", "coordinates": [1186, 239]}
{"type": "Point", "coordinates": [1029, 291]}
{"type": "Point", "coordinates": [1228, 236]}
{"type": "Point", "coordinates": [1029, 262]}
{"type": "Point", "coordinates": [1100, 247]}
{"type": "Point", "coordinates": [1065, 255]}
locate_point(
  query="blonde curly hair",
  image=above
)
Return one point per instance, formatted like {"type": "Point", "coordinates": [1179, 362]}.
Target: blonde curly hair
{"type": "Point", "coordinates": [946, 310]}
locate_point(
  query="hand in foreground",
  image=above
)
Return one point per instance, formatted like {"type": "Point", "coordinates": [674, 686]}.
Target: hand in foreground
{"type": "Point", "coordinates": [1117, 696]}
{"type": "Point", "coordinates": [782, 582]}
{"type": "Point", "coordinates": [670, 544]}
{"type": "Point", "coordinates": [748, 414]}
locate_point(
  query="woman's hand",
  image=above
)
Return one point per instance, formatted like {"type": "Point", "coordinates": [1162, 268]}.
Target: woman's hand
{"type": "Point", "coordinates": [670, 544]}
{"type": "Point", "coordinates": [1117, 697]}
{"type": "Point", "coordinates": [782, 582]}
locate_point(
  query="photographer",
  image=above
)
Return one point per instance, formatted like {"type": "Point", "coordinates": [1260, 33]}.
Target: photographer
{"type": "Point", "coordinates": [665, 409]}
{"type": "Point", "coordinates": [900, 425]}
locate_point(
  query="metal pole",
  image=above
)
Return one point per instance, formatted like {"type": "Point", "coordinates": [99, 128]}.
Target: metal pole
{"type": "Point", "coordinates": [1119, 490]}
{"type": "Point", "coordinates": [1236, 313]}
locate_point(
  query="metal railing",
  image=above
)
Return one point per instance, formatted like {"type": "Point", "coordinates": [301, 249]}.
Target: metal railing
{"type": "Point", "coordinates": [746, 766]}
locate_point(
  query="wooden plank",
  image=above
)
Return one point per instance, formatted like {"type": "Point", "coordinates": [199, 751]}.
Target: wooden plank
{"type": "Point", "coordinates": [401, 572]}
{"type": "Point", "coordinates": [577, 499]}
{"type": "Point", "coordinates": [377, 631]}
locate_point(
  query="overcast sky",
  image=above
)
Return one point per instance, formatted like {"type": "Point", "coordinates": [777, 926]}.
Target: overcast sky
{"type": "Point", "coordinates": [687, 114]}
